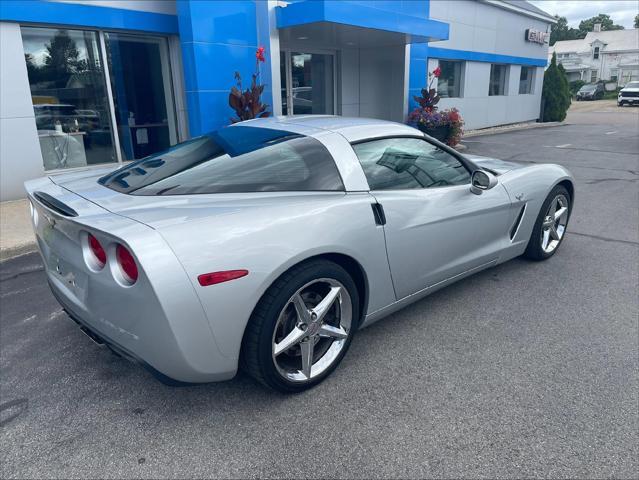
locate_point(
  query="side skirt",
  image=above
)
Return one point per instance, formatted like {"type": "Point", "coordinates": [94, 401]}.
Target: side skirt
{"type": "Point", "coordinates": [399, 304]}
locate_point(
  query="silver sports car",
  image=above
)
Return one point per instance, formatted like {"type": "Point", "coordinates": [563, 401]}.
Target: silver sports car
{"type": "Point", "coordinates": [266, 245]}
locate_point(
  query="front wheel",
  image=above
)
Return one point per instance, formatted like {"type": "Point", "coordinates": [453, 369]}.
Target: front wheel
{"type": "Point", "coordinates": [550, 226]}
{"type": "Point", "coordinates": [302, 327]}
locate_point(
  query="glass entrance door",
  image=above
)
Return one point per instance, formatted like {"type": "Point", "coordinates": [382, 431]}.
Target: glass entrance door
{"type": "Point", "coordinates": [142, 93]}
{"type": "Point", "coordinates": [308, 83]}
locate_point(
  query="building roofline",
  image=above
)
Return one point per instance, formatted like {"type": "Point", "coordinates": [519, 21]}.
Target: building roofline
{"type": "Point", "coordinates": [540, 15]}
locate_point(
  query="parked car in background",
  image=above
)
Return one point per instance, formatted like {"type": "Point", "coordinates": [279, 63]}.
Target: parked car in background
{"type": "Point", "coordinates": [629, 95]}
{"type": "Point", "coordinates": [592, 91]}
{"type": "Point", "coordinates": [269, 243]}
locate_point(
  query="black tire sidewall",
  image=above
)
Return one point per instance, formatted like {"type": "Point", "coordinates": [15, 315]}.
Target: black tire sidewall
{"type": "Point", "coordinates": [534, 250]}
{"type": "Point", "coordinates": [304, 275]}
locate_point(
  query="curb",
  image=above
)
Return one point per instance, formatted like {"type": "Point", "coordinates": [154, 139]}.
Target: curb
{"type": "Point", "coordinates": [12, 252]}
{"type": "Point", "coordinates": [514, 128]}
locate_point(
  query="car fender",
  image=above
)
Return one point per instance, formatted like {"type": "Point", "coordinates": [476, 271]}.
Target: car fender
{"type": "Point", "coordinates": [269, 241]}
{"type": "Point", "coordinates": [528, 188]}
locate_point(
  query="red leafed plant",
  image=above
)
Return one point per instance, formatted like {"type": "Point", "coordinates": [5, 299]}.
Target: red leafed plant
{"type": "Point", "coordinates": [247, 103]}
{"type": "Point", "coordinates": [428, 117]}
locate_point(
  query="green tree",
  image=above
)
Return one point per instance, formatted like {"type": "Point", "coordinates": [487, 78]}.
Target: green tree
{"type": "Point", "coordinates": [637, 21]}
{"type": "Point", "coordinates": [33, 71]}
{"type": "Point", "coordinates": [555, 96]}
{"type": "Point", "coordinates": [561, 31]}
{"type": "Point", "coordinates": [62, 58]}
{"type": "Point", "coordinates": [588, 25]}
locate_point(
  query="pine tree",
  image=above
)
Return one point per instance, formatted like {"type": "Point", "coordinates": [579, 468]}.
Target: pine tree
{"type": "Point", "coordinates": [555, 96]}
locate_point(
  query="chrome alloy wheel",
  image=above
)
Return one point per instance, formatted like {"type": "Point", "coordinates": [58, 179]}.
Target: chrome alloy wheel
{"type": "Point", "coordinates": [554, 224]}
{"type": "Point", "coordinates": [312, 329]}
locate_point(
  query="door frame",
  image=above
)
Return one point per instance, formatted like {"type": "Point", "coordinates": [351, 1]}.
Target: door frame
{"type": "Point", "coordinates": [288, 70]}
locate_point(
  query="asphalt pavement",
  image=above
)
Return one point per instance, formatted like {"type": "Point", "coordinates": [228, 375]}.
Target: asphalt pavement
{"type": "Point", "coordinates": [524, 370]}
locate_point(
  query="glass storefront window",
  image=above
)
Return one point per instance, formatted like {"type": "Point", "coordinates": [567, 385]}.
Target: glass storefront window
{"type": "Point", "coordinates": [526, 80]}
{"type": "Point", "coordinates": [450, 80]}
{"type": "Point", "coordinates": [141, 86]}
{"type": "Point", "coordinates": [498, 79]}
{"type": "Point", "coordinates": [69, 97]}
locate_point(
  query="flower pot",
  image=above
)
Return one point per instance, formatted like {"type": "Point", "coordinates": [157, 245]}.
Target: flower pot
{"type": "Point", "coordinates": [440, 133]}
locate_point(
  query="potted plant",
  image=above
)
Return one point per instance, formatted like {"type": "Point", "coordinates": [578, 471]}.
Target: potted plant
{"type": "Point", "coordinates": [247, 103]}
{"type": "Point", "coordinates": [444, 125]}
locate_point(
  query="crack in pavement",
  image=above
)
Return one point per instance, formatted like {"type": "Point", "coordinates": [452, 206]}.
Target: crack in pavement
{"type": "Point", "coordinates": [605, 239]}
{"type": "Point", "coordinates": [600, 180]}
{"type": "Point", "coordinates": [23, 272]}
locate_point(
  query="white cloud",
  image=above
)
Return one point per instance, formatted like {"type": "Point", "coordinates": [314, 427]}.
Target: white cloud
{"type": "Point", "coordinates": [622, 12]}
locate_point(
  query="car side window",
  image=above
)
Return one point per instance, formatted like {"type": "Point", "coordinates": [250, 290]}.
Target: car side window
{"type": "Point", "coordinates": [408, 163]}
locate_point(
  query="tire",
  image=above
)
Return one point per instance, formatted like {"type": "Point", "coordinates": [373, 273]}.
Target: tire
{"type": "Point", "coordinates": [540, 248]}
{"type": "Point", "coordinates": [277, 318]}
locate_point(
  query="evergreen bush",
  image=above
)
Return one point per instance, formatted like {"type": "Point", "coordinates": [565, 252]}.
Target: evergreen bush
{"type": "Point", "coordinates": [555, 96]}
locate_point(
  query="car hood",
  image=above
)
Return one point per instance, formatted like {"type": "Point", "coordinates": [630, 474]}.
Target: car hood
{"type": "Point", "coordinates": [498, 166]}
{"type": "Point", "coordinates": [625, 90]}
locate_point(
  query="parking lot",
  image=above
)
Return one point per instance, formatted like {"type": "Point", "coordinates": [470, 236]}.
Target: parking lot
{"type": "Point", "coordinates": [524, 370]}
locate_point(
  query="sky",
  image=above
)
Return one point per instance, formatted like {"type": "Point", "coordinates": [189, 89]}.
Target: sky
{"type": "Point", "coordinates": [621, 11]}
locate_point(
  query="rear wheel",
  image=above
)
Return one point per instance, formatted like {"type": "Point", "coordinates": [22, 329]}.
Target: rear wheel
{"type": "Point", "coordinates": [302, 327]}
{"type": "Point", "coordinates": [550, 226]}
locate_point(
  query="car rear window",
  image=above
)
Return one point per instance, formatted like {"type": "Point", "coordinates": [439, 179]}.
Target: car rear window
{"type": "Point", "coordinates": [232, 160]}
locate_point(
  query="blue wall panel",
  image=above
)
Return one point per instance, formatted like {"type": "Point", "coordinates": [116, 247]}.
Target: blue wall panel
{"type": "Point", "coordinates": [217, 38]}
{"type": "Point", "coordinates": [39, 11]}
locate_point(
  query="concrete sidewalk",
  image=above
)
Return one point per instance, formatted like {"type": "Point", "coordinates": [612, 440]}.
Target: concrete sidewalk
{"type": "Point", "coordinates": [16, 233]}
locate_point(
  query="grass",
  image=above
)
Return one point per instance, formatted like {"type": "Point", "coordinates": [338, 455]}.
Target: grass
{"type": "Point", "coordinates": [611, 95]}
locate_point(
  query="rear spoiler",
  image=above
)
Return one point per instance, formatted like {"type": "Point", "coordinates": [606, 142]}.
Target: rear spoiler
{"type": "Point", "coordinates": [55, 204]}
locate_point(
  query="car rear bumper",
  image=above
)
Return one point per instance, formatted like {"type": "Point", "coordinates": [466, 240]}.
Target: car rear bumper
{"type": "Point", "coordinates": [158, 321]}
{"type": "Point", "coordinates": [100, 339]}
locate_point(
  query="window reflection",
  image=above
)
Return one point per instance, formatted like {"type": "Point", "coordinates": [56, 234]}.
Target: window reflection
{"type": "Point", "coordinates": [408, 163]}
{"type": "Point", "coordinates": [69, 97]}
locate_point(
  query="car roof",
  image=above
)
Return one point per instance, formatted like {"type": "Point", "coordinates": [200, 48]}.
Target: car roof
{"type": "Point", "coordinates": [352, 128]}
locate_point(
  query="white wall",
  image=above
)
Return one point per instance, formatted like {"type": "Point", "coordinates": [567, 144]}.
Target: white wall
{"type": "Point", "coordinates": [156, 6]}
{"type": "Point", "coordinates": [480, 110]}
{"type": "Point", "coordinates": [20, 157]}
{"type": "Point", "coordinates": [479, 27]}
{"type": "Point", "coordinates": [381, 83]}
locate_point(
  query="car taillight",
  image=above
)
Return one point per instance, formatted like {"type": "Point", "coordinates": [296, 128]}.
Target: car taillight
{"type": "Point", "coordinates": [97, 250]}
{"type": "Point", "coordinates": [126, 263]}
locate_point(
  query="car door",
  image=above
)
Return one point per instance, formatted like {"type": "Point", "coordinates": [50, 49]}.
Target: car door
{"type": "Point", "coordinates": [435, 227]}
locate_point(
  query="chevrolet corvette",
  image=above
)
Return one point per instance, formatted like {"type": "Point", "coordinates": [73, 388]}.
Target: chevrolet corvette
{"type": "Point", "coordinates": [266, 245]}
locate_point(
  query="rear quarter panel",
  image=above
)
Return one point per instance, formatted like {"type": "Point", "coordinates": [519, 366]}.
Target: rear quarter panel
{"type": "Point", "coordinates": [268, 240]}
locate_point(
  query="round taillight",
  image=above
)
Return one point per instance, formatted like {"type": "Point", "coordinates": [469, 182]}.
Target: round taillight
{"type": "Point", "coordinates": [97, 250]}
{"type": "Point", "coordinates": [127, 263]}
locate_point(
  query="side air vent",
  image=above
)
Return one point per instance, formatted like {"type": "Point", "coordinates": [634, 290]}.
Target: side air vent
{"type": "Point", "coordinates": [55, 204]}
{"type": "Point", "coordinates": [515, 227]}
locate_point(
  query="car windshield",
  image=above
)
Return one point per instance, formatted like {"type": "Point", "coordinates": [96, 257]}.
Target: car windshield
{"type": "Point", "coordinates": [632, 85]}
{"type": "Point", "coordinates": [588, 88]}
{"type": "Point", "coordinates": [232, 160]}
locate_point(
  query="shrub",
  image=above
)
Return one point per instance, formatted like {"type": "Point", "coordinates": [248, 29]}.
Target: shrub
{"type": "Point", "coordinates": [555, 96]}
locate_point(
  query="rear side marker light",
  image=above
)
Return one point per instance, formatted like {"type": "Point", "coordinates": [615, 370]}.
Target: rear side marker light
{"type": "Point", "coordinates": [126, 263]}
{"type": "Point", "coordinates": [212, 278]}
{"type": "Point", "coordinates": [97, 250]}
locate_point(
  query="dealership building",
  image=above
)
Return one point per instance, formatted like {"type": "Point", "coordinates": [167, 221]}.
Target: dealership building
{"type": "Point", "coordinates": [93, 82]}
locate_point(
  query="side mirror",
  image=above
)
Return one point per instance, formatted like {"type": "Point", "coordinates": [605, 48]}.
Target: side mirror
{"type": "Point", "coordinates": [482, 180]}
